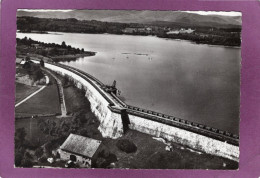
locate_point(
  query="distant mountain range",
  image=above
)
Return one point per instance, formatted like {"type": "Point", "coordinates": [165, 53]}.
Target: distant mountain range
{"type": "Point", "coordinates": [144, 17]}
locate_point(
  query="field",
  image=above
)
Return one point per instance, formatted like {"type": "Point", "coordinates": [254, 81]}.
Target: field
{"type": "Point", "coordinates": [22, 91]}
{"type": "Point", "coordinates": [44, 102]}
{"type": "Point", "coordinates": [151, 154]}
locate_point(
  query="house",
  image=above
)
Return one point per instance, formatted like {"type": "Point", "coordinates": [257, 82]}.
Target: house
{"type": "Point", "coordinates": [129, 30]}
{"type": "Point", "coordinates": [173, 32]}
{"type": "Point", "coordinates": [189, 30]}
{"type": "Point", "coordinates": [182, 31]}
{"type": "Point", "coordinates": [19, 60]}
{"type": "Point", "coordinates": [141, 30]}
{"type": "Point", "coordinates": [79, 149]}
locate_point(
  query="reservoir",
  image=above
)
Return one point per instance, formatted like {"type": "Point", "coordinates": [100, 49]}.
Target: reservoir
{"type": "Point", "coordinates": [195, 82]}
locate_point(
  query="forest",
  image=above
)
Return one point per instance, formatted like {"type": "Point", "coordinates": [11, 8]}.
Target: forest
{"type": "Point", "coordinates": [222, 35]}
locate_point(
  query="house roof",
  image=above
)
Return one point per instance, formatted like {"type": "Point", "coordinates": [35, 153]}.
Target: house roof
{"type": "Point", "coordinates": [18, 60]}
{"type": "Point", "coordinates": [80, 145]}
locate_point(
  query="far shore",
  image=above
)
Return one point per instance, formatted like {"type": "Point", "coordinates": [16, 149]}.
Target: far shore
{"type": "Point", "coordinates": [166, 38]}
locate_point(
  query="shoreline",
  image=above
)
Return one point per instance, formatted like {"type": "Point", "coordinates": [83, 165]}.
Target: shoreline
{"type": "Point", "coordinates": [68, 58]}
{"type": "Point", "coordinates": [54, 52]}
{"type": "Point", "coordinates": [176, 39]}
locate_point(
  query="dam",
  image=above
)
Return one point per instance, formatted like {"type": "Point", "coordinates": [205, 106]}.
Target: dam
{"type": "Point", "coordinates": [116, 117]}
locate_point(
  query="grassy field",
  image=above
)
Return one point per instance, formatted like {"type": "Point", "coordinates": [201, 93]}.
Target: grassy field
{"type": "Point", "coordinates": [75, 100]}
{"type": "Point", "coordinates": [22, 91]}
{"type": "Point", "coordinates": [44, 102]}
{"type": "Point", "coordinates": [151, 154]}
{"type": "Point", "coordinates": [33, 133]}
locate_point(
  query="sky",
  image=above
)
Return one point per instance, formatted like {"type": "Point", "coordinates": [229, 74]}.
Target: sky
{"type": "Point", "coordinates": [231, 13]}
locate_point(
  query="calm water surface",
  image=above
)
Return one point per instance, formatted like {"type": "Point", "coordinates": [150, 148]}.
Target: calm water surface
{"type": "Point", "coordinates": [199, 83]}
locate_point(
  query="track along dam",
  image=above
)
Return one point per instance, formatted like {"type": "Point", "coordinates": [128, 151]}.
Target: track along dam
{"type": "Point", "coordinates": [116, 117]}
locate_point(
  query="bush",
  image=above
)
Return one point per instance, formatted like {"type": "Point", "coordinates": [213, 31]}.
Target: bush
{"type": "Point", "coordinates": [18, 159]}
{"type": "Point", "coordinates": [27, 155]}
{"type": "Point", "coordinates": [27, 163]}
{"type": "Point", "coordinates": [84, 132]}
{"type": "Point", "coordinates": [20, 136]}
{"type": "Point", "coordinates": [39, 152]}
{"type": "Point", "coordinates": [38, 75]}
{"type": "Point", "coordinates": [101, 163]}
{"type": "Point", "coordinates": [104, 159]}
{"type": "Point", "coordinates": [126, 146]}
{"type": "Point", "coordinates": [57, 156]}
{"type": "Point", "coordinates": [104, 153]}
{"type": "Point", "coordinates": [43, 159]}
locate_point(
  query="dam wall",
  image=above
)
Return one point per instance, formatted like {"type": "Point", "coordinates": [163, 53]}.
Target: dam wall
{"type": "Point", "coordinates": [110, 122]}
{"type": "Point", "coordinates": [116, 117]}
{"type": "Point", "coordinates": [184, 137]}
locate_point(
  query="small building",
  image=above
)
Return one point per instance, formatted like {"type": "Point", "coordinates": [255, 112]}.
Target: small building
{"type": "Point", "coordinates": [141, 30]}
{"type": "Point", "coordinates": [129, 30]}
{"type": "Point", "coordinates": [79, 149]}
{"type": "Point", "coordinates": [189, 30]}
{"type": "Point", "coordinates": [19, 60]}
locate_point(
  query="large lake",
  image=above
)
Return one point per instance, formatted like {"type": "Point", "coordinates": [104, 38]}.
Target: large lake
{"type": "Point", "coordinates": [195, 82]}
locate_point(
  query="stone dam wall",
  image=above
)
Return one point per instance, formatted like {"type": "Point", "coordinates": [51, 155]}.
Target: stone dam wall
{"type": "Point", "coordinates": [187, 138]}
{"type": "Point", "coordinates": [110, 122]}
{"type": "Point", "coordinates": [116, 117]}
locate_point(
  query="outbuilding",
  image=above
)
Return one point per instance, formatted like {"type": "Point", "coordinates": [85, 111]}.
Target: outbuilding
{"type": "Point", "coordinates": [79, 149]}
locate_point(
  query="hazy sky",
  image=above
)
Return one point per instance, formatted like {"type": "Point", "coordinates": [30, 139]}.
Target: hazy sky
{"type": "Point", "coordinates": [231, 13]}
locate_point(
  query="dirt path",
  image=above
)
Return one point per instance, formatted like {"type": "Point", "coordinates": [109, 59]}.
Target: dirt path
{"type": "Point", "coordinates": [61, 94]}
{"type": "Point", "coordinates": [31, 95]}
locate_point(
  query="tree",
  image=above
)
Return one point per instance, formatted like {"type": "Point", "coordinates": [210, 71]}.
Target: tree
{"type": "Point", "coordinates": [27, 58]}
{"type": "Point", "coordinates": [63, 44]}
{"type": "Point", "coordinates": [18, 159]}
{"type": "Point", "coordinates": [20, 136]}
{"type": "Point", "coordinates": [42, 62]}
{"type": "Point", "coordinates": [126, 146]}
{"type": "Point", "coordinates": [39, 152]}
{"type": "Point", "coordinates": [27, 163]}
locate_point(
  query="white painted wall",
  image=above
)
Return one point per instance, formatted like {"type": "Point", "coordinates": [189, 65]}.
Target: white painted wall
{"type": "Point", "coordinates": [193, 140]}
{"type": "Point", "coordinates": [80, 160]}
{"type": "Point", "coordinates": [110, 123]}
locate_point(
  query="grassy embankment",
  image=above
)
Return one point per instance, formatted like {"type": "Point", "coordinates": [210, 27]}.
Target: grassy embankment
{"type": "Point", "coordinates": [151, 154]}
